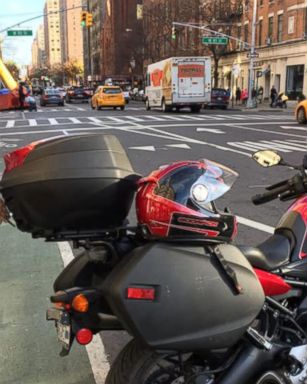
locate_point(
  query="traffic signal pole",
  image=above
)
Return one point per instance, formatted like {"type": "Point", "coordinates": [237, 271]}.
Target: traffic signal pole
{"type": "Point", "coordinates": [252, 47]}
{"type": "Point", "coordinates": [250, 101]}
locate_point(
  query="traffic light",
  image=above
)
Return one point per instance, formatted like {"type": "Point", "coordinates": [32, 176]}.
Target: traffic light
{"type": "Point", "coordinates": [83, 18]}
{"type": "Point", "coordinates": [89, 19]}
{"type": "Point", "coordinates": [173, 33]}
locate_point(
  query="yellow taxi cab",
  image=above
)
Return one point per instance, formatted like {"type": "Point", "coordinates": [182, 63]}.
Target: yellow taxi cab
{"type": "Point", "coordinates": [301, 112]}
{"type": "Point", "coordinates": [108, 96]}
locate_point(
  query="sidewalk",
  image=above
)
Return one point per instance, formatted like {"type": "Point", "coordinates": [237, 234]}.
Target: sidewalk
{"type": "Point", "coordinates": [265, 107]}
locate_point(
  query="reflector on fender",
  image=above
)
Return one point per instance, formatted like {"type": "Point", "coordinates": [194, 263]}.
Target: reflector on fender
{"type": "Point", "coordinates": [80, 303]}
{"type": "Point", "coordinates": [137, 293]}
{"type": "Point", "coordinates": [84, 336]}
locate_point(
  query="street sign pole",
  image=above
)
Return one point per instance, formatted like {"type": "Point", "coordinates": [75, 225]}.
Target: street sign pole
{"type": "Point", "coordinates": [250, 101]}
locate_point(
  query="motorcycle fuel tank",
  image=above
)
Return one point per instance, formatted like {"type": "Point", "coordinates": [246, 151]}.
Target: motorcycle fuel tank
{"type": "Point", "coordinates": [178, 297]}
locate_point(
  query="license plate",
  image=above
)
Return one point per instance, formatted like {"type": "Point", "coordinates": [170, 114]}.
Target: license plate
{"type": "Point", "coordinates": [80, 96]}
{"type": "Point", "coordinates": [219, 98]}
{"type": "Point", "coordinates": [64, 334]}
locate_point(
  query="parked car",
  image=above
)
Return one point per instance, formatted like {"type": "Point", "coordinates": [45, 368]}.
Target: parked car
{"type": "Point", "coordinates": [108, 96]}
{"type": "Point", "coordinates": [51, 96]}
{"type": "Point", "coordinates": [219, 99]}
{"type": "Point", "coordinates": [63, 91]}
{"type": "Point", "coordinates": [140, 95]}
{"type": "Point", "coordinates": [301, 112]}
{"type": "Point", "coordinates": [78, 93]}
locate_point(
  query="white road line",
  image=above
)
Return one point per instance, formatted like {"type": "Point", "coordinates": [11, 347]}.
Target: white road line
{"type": "Point", "coordinates": [10, 124]}
{"type": "Point", "coordinates": [153, 117]}
{"type": "Point", "coordinates": [244, 127]}
{"type": "Point", "coordinates": [95, 120]}
{"type": "Point", "coordinates": [134, 118]}
{"type": "Point", "coordinates": [53, 121]}
{"type": "Point", "coordinates": [80, 109]}
{"type": "Point", "coordinates": [247, 147]}
{"type": "Point", "coordinates": [296, 128]}
{"type": "Point", "coordinates": [115, 119]}
{"type": "Point", "coordinates": [192, 117]}
{"type": "Point", "coordinates": [279, 145]}
{"type": "Point", "coordinates": [268, 144]}
{"type": "Point", "coordinates": [32, 122]}
{"type": "Point", "coordinates": [213, 117]}
{"type": "Point", "coordinates": [65, 133]}
{"type": "Point", "coordinates": [95, 350]}
{"type": "Point", "coordinates": [74, 120]}
{"type": "Point", "coordinates": [172, 118]}
{"type": "Point", "coordinates": [255, 224]}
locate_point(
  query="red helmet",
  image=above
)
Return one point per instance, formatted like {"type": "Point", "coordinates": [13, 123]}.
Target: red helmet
{"type": "Point", "coordinates": [177, 202]}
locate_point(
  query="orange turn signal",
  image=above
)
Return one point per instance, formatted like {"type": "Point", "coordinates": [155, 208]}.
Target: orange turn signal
{"type": "Point", "coordinates": [80, 303]}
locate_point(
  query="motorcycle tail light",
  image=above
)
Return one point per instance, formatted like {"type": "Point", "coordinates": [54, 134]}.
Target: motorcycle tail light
{"type": "Point", "coordinates": [80, 303]}
{"type": "Point", "coordinates": [137, 293]}
{"type": "Point", "coordinates": [84, 336]}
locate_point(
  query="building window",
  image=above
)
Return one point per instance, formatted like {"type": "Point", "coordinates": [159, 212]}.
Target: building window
{"type": "Point", "coordinates": [239, 37]}
{"type": "Point", "coordinates": [260, 33]}
{"type": "Point", "coordinates": [260, 2]}
{"type": "Point", "coordinates": [295, 80]}
{"type": "Point", "coordinates": [279, 28]}
{"type": "Point", "coordinates": [246, 33]}
{"type": "Point", "coordinates": [270, 30]}
{"type": "Point", "coordinates": [291, 24]}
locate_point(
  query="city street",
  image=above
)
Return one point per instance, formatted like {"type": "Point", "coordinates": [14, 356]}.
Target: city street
{"type": "Point", "coordinates": [29, 351]}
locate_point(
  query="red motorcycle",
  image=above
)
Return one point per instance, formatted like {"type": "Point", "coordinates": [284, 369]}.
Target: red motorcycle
{"type": "Point", "coordinates": [200, 309]}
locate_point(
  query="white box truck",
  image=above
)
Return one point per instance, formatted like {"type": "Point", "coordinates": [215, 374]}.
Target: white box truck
{"type": "Point", "coordinates": [178, 82]}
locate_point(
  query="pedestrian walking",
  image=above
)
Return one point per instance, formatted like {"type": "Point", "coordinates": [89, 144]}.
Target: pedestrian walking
{"type": "Point", "coordinates": [238, 95]}
{"type": "Point", "coordinates": [273, 95]}
{"type": "Point", "coordinates": [244, 96]}
{"type": "Point", "coordinates": [22, 93]}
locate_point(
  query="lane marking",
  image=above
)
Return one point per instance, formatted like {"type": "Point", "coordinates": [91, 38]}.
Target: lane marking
{"type": "Point", "coordinates": [115, 119]}
{"type": "Point", "coordinates": [211, 130]}
{"type": "Point", "coordinates": [32, 122]}
{"type": "Point", "coordinates": [182, 146]}
{"type": "Point", "coordinates": [53, 121]}
{"type": "Point", "coordinates": [95, 350]}
{"type": "Point", "coordinates": [192, 117]}
{"type": "Point", "coordinates": [172, 118]}
{"type": "Point", "coordinates": [95, 120]}
{"type": "Point", "coordinates": [255, 224]}
{"type": "Point", "coordinates": [135, 118]}
{"type": "Point", "coordinates": [10, 124]}
{"type": "Point", "coordinates": [153, 117]}
{"type": "Point", "coordinates": [74, 120]}
{"type": "Point", "coordinates": [296, 128]}
{"type": "Point", "coordinates": [240, 126]}
{"type": "Point", "coordinates": [144, 148]}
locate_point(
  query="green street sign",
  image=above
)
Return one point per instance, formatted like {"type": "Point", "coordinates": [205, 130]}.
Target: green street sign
{"type": "Point", "coordinates": [215, 40]}
{"type": "Point", "coordinates": [20, 32]}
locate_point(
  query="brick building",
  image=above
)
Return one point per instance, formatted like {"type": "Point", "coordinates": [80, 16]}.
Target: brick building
{"type": "Point", "coordinates": [281, 33]}
{"type": "Point", "coordinates": [122, 40]}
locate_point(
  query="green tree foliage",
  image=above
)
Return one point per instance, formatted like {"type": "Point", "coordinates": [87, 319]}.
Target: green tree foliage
{"type": "Point", "coordinates": [13, 68]}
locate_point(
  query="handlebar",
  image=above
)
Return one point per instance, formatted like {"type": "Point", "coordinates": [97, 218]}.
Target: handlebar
{"type": "Point", "coordinates": [272, 194]}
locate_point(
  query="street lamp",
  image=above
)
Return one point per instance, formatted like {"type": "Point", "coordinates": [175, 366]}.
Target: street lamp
{"type": "Point", "coordinates": [250, 101]}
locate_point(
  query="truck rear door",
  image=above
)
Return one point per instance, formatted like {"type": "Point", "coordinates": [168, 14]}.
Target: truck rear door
{"type": "Point", "coordinates": [191, 79]}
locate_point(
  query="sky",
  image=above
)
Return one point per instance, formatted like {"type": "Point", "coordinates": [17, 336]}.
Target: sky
{"type": "Point", "coordinates": [13, 12]}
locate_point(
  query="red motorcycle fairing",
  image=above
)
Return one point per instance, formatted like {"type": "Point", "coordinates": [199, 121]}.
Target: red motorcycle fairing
{"type": "Point", "coordinates": [272, 285]}
{"type": "Point", "coordinates": [294, 224]}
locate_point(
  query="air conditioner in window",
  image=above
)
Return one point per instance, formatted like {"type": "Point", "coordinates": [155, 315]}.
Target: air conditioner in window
{"type": "Point", "coordinates": [268, 40]}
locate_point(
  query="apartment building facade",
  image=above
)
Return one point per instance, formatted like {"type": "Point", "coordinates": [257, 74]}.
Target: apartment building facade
{"type": "Point", "coordinates": [72, 32]}
{"type": "Point", "coordinates": [53, 34]}
{"type": "Point", "coordinates": [281, 45]}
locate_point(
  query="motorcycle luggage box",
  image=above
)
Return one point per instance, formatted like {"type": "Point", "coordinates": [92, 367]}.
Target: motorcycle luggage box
{"type": "Point", "coordinates": [70, 186]}
{"type": "Point", "coordinates": [195, 305]}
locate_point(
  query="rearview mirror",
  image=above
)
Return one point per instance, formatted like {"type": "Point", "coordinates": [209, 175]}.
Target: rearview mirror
{"type": "Point", "coordinates": [267, 158]}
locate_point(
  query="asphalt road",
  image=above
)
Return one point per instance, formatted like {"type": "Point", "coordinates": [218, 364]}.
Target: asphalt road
{"type": "Point", "coordinates": [151, 138]}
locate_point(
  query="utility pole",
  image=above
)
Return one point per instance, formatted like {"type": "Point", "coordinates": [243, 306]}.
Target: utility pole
{"type": "Point", "coordinates": [250, 101]}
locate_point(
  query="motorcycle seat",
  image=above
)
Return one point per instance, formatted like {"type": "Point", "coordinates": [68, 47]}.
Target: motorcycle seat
{"type": "Point", "coordinates": [269, 255]}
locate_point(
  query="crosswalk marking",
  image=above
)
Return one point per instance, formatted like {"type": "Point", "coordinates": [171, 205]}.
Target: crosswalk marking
{"type": "Point", "coordinates": [124, 119]}
{"type": "Point", "coordinates": [53, 121]}
{"type": "Point", "coordinates": [282, 146]}
{"type": "Point", "coordinates": [95, 120]}
{"type": "Point", "coordinates": [10, 124]}
{"type": "Point", "coordinates": [32, 122]}
{"type": "Point", "coordinates": [74, 120]}
{"type": "Point", "coordinates": [135, 118]}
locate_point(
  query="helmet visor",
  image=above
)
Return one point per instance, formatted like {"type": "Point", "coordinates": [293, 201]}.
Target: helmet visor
{"type": "Point", "coordinates": [202, 183]}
